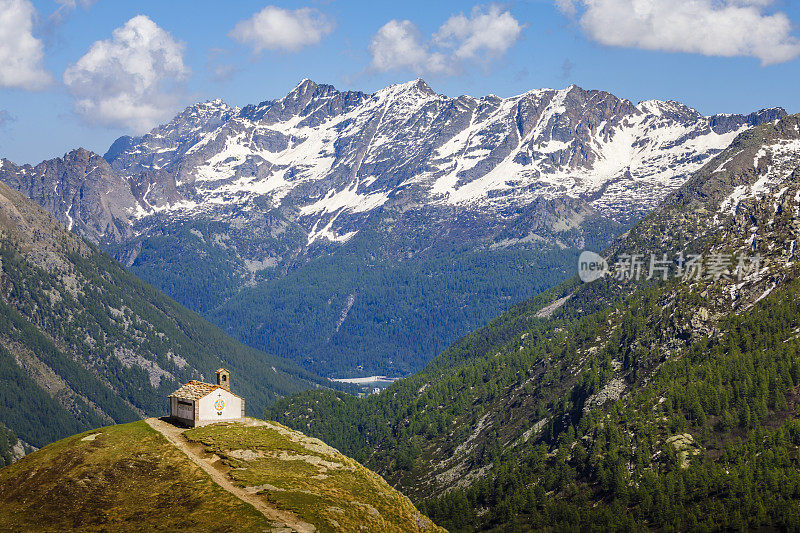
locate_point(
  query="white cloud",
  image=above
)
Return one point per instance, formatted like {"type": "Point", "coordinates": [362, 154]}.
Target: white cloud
{"type": "Point", "coordinates": [274, 28]}
{"type": "Point", "coordinates": [132, 80]}
{"type": "Point", "coordinates": [398, 46]}
{"type": "Point", "coordinates": [480, 37]}
{"type": "Point", "coordinates": [21, 53]}
{"type": "Point", "coordinates": [725, 28]}
{"type": "Point", "coordinates": [490, 34]}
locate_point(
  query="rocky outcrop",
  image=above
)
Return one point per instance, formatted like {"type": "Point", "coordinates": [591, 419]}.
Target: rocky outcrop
{"type": "Point", "coordinates": [81, 190]}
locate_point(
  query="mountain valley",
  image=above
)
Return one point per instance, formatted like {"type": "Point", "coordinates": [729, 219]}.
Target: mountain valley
{"type": "Point", "coordinates": [504, 267]}
{"type": "Point", "coordinates": [331, 227]}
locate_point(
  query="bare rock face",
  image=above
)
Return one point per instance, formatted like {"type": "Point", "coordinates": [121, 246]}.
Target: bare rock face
{"type": "Point", "coordinates": [81, 190]}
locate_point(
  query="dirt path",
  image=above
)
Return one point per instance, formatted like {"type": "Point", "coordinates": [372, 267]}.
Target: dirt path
{"type": "Point", "coordinates": [284, 520]}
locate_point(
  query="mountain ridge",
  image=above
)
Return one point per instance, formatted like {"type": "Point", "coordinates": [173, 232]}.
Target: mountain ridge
{"type": "Point", "coordinates": [224, 207]}
{"type": "Point", "coordinates": [295, 105]}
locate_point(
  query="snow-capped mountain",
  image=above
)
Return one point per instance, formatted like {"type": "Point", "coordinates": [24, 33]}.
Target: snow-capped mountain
{"type": "Point", "coordinates": [328, 157]}
{"type": "Point", "coordinates": [252, 193]}
{"type": "Point", "coordinates": [328, 153]}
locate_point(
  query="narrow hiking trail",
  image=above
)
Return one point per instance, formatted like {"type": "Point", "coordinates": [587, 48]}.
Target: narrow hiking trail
{"type": "Point", "coordinates": [284, 521]}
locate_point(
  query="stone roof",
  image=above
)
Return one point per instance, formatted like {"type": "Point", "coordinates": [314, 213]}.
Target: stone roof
{"type": "Point", "coordinates": [194, 390]}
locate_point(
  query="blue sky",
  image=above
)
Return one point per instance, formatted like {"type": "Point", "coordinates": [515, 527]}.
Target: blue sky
{"type": "Point", "coordinates": [700, 58]}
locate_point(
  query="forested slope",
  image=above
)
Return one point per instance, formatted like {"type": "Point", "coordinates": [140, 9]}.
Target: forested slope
{"type": "Point", "coordinates": [627, 402]}
{"type": "Point", "coordinates": [83, 343]}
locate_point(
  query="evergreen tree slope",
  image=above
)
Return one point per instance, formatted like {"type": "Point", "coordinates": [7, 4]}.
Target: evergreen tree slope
{"type": "Point", "coordinates": [84, 344]}
{"type": "Point", "coordinates": [621, 403]}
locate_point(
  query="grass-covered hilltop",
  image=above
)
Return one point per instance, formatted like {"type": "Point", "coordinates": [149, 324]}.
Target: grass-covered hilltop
{"type": "Point", "coordinates": [132, 477]}
{"type": "Point", "coordinates": [625, 403]}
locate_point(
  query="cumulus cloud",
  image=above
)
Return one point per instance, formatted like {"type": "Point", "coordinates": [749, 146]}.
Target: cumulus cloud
{"type": "Point", "coordinates": [21, 53]}
{"type": "Point", "coordinates": [398, 45]}
{"type": "Point", "coordinates": [478, 38]}
{"type": "Point", "coordinates": [274, 28]}
{"type": "Point", "coordinates": [482, 34]}
{"type": "Point", "coordinates": [724, 28]}
{"type": "Point", "coordinates": [132, 80]}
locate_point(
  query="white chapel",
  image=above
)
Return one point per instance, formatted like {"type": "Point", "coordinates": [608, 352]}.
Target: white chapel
{"type": "Point", "coordinates": [197, 403]}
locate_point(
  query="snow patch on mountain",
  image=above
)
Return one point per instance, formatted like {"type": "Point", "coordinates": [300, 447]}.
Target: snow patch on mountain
{"type": "Point", "coordinates": [783, 157]}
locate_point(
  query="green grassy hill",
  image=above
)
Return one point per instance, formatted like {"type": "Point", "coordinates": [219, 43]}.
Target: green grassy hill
{"type": "Point", "coordinates": [131, 478]}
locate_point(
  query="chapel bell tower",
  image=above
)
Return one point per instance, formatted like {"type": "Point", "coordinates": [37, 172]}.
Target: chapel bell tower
{"type": "Point", "coordinates": [224, 379]}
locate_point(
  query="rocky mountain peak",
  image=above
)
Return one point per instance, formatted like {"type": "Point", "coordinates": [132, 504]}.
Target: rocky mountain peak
{"type": "Point", "coordinates": [83, 156]}
{"type": "Point", "coordinates": [418, 85]}
{"type": "Point", "coordinates": [724, 123]}
{"type": "Point", "coordinates": [304, 87]}
{"type": "Point", "coordinates": [411, 90]}
{"type": "Point", "coordinates": [306, 150]}
{"type": "Point", "coordinates": [305, 92]}
{"type": "Point", "coordinates": [119, 146]}
{"type": "Point", "coordinates": [203, 115]}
